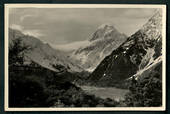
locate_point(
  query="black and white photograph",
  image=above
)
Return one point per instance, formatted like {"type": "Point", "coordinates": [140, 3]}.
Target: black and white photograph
{"type": "Point", "coordinates": [80, 57]}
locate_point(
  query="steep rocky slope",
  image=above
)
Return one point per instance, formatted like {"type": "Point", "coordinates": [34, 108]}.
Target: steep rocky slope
{"type": "Point", "coordinates": [43, 53]}
{"type": "Point", "coordinates": [138, 52]}
{"type": "Point", "coordinates": [102, 43]}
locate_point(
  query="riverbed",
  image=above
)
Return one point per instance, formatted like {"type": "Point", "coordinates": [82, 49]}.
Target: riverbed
{"type": "Point", "coordinates": [106, 92]}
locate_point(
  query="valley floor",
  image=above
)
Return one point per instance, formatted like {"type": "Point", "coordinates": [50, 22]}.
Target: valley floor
{"type": "Point", "coordinates": [103, 92]}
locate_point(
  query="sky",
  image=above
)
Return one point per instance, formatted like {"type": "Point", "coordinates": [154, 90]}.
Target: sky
{"type": "Point", "coordinates": [66, 25]}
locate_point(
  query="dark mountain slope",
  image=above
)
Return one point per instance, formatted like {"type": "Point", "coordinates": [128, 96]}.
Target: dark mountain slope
{"type": "Point", "coordinates": [126, 60]}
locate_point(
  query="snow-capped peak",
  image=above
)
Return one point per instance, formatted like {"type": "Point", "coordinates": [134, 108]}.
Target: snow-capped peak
{"type": "Point", "coordinates": [104, 31]}
{"type": "Point", "coordinates": [105, 39]}
{"type": "Point", "coordinates": [106, 26]}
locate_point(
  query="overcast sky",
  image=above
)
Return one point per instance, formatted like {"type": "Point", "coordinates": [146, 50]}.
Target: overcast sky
{"type": "Point", "coordinates": [66, 25]}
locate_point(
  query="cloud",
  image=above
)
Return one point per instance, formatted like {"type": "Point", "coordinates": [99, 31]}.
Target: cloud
{"type": "Point", "coordinates": [26, 16]}
{"type": "Point", "coordinates": [71, 46]}
{"type": "Point", "coordinates": [35, 33]}
{"type": "Point", "coordinates": [16, 27]}
{"type": "Point", "coordinates": [66, 25]}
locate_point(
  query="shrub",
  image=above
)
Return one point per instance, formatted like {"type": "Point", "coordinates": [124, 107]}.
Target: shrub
{"type": "Point", "coordinates": [145, 93]}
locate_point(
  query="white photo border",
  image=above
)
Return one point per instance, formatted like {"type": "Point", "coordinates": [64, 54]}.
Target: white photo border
{"type": "Point", "coordinates": [6, 18]}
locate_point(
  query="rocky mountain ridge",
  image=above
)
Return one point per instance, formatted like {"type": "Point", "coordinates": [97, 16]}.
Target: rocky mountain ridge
{"type": "Point", "coordinates": [43, 53]}
{"type": "Point", "coordinates": [136, 53]}
{"type": "Point", "coordinates": [102, 43]}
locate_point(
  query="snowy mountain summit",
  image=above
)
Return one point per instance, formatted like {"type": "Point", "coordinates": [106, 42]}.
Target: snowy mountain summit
{"type": "Point", "coordinates": [139, 51]}
{"type": "Point", "coordinates": [101, 43]}
{"type": "Point", "coordinates": [104, 31]}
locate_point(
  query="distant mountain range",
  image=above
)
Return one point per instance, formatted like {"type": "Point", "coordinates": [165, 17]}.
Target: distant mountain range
{"type": "Point", "coordinates": [42, 53]}
{"type": "Point", "coordinates": [137, 56]}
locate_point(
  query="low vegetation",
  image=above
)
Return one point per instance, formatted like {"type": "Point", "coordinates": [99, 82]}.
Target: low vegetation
{"type": "Point", "coordinates": [145, 93]}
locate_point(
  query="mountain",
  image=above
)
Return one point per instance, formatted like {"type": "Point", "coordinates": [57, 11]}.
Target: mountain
{"type": "Point", "coordinates": [140, 51]}
{"type": "Point", "coordinates": [104, 40]}
{"type": "Point", "coordinates": [154, 66]}
{"type": "Point", "coordinates": [42, 53]}
{"type": "Point", "coordinates": [39, 76]}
